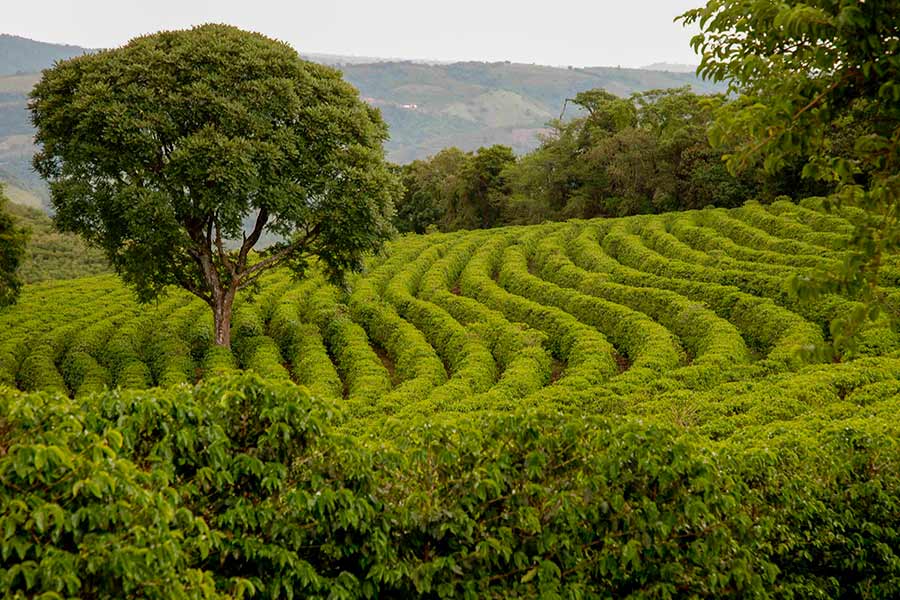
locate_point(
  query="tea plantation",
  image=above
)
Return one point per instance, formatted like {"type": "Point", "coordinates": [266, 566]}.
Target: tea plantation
{"type": "Point", "coordinates": [628, 408]}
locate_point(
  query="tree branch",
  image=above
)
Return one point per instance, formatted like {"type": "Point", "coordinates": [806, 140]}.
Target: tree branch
{"type": "Point", "coordinates": [189, 285]}
{"type": "Point", "coordinates": [223, 255]}
{"type": "Point", "coordinates": [821, 96]}
{"type": "Point", "coordinates": [249, 242]}
{"type": "Point", "coordinates": [280, 255]}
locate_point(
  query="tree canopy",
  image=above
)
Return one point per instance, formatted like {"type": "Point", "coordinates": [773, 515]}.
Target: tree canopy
{"type": "Point", "coordinates": [177, 152]}
{"type": "Point", "coordinates": [12, 250]}
{"type": "Point", "coordinates": [817, 82]}
{"type": "Point", "coordinates": [614, 157]}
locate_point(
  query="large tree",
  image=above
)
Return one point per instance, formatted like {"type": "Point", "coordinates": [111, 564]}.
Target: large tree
{"type": "Point", "coordinates": [12, 249]}
{"type": "Point", "coordinates": [817, 82]}
{"type": "Point", "coordinates": [430, 187]}
{"type": "Point", "coordinates": [161, 150]}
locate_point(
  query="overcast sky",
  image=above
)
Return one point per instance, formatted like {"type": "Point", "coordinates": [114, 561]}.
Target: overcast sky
{"type": "Point", "coordinates": [629, 33]}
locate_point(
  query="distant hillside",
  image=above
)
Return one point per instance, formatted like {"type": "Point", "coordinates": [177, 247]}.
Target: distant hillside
{"type": "Point", "coordinates": [432, 106]}
{"type": "Point", "coordinates": [428, 106]}
{"type": "Point", "coordinates": [21, 55]}
{"type": "Point", "coordinates": [672, 67]}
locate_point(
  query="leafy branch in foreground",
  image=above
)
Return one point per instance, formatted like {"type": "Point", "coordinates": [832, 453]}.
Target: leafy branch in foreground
{"type": "Point", "coordinates": [820, 81]}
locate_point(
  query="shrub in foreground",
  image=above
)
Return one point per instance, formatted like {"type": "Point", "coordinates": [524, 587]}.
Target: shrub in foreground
{"type": "Point", "coordinates": [240, 487]}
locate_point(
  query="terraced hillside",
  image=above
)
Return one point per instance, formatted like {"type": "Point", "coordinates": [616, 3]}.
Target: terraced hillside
{"type": "Point", "coordinates": [682, 317]}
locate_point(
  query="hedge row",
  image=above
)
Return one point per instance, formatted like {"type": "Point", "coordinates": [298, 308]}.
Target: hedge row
{"type": "Point", "coordinates": [777, 225]}
{"type": "Point", "coordinates": [470, 364]}
{"type": "Point", "coordinates": [417, 367]}
{"type": "Point", "coordinates": [650, 348]}
{"type": "Point", "coordinates": [241, 487]}
{"type": "Point", "coordinates": [364, 376]}
{"type": "Point", "coordinates": [588, 356]}
{"type": "Point", "coordinates": [656, 235]}
{"type": "Point", "coordinates": [814, 219]}
{"type": "Point", "coordinates": [252, 347]}
{"type": "Point", "coordinates": [523, 364]}
{"type": "Point", "coordinates": [302, 345]}
{"type": "Point", "coordinates": [706, 239]}
{"type": "Point", "coordinates": [783, 337]}
{"type": "Point", "coordinates": [715, 344]}
{"type": "Point", "coordinates": [745, 234]}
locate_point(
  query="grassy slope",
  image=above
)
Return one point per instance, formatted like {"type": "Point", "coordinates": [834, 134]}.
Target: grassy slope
{"type": "Point", "coordinates": [50, 254]}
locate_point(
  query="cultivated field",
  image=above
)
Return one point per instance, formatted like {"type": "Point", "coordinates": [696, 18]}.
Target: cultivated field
{"type": "Point", "coordinates": [683, 318]}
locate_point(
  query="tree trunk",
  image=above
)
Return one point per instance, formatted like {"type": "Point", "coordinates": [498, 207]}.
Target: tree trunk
{"type": "Point", "coordinates": [222, 305]}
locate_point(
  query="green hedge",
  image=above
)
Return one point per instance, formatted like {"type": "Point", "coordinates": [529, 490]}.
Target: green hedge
{"type": "Point", "coordinates": [241, 487]}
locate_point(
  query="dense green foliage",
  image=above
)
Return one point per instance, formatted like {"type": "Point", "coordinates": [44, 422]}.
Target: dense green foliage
{"type": "Point", "coordinates": [455, 190]}
{"type": "Point", "coordinates": [241, 487]}
{"type": "Point", "coordinates": [818, 83]}
{"type": "Point", "coordinates": [12, 249]}
{"type": "Point", "coordinates": [734, 457]}
{"type": "Point", "coordinates": [50, 254]}
{"type": "Point", "coordinates": [648, 153]}
{"type": "Point", "coordinates": [158, 151]}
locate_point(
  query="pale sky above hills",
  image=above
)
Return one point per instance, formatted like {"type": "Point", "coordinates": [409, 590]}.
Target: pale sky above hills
{"type": "Point", "coordinates": [628, 33]}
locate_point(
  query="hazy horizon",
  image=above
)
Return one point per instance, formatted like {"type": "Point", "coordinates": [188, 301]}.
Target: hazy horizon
{"type": "Point", "coordinates": [588, 33]}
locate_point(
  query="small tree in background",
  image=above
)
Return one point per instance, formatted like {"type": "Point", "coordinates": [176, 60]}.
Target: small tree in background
{"type": "Point", "coordinates": [12, 249]}
{"type": "Point", "coordinates": [160, 150]}
{"type": "Point", "coordinates": [817, 81]}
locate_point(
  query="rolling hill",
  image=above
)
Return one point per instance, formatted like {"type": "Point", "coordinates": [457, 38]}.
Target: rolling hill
{"type": "Point", "coordinates": [587, 409]}
{"type": "Point", "coordinates": [427, 106]}
{"type": "Point", "coordinates": [19, 55]}
{"type": "Point", "coordinates": [586, 316]}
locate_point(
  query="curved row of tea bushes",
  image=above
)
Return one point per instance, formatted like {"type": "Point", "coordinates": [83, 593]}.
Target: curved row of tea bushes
{"type": "Point", "coordinates": [711, 241]}
{"type": "Point", "coordinates": [470, 364]}
{"type": "Point", "coordinates": [650, 348]}
{"type": "Point", "coordinates": [842, 220]}
{"type": "Point", "coordinates": [364, 377]}
{"type": "Point", "coordinates": [877, 338]}
{"type": "Point", "coordinates": [746, 234]}
{"type": "Point", "coordinates": [755, 214]}
{"type": "Point", "coordinates": [714, 343]}
{"type": "Point", "coordinates": [167, 355]}
{"type": "Point", "coordinates": [523, 364]}
{"type": "Point", "coordinates": [80, 369]}
{"type": "Point", "coordinates": [628, 248]}
{"type": "Point", "coordinates": [655, 235]}
{"type": "Point", "coordinates": [252, 347]}
{"type": "Point", "coordinates": [302, 345]}
{"type": "Point", "coordinates": [53, 314]}
{"type": "Point", "coordinates": [417, 367]}
{"type": "Point", "coordinates": [814, 219]}
{"type": "Point", "coordinates": [117, 495]}
{"type": "Point", "coordinates": [785, 338]}
{"type": "Point", "coordinates": [588, 356]}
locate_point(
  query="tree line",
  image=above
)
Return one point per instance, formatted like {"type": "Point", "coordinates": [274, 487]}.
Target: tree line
{"type": "Point", "coordinates": [647, 153]}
